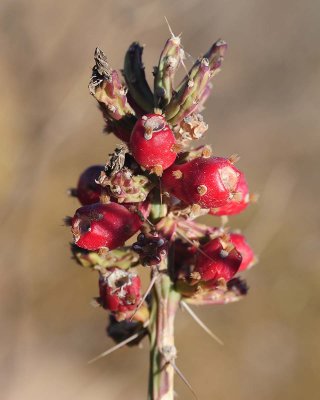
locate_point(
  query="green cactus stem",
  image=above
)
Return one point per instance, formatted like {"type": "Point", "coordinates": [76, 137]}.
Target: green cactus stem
{"type": "Point", "coordinates": [169, 62]}
{"type": "Point", "coordinates": [195, 85]}
{"type": "Point", "coordinates": [165, 303]}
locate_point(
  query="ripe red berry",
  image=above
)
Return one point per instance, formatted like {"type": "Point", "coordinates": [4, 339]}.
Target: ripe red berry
{"type": "Point", "coordinates": [248, 257]}
{"type": "Point", "coordinates": [238, 203]}
{"type": "Point", "coordinates": [152, 143]}
{"type": "Point", "coordinates": [208, 182]}
{"type": "Point", "coordinates": [120, 290]}
{"type": "Point", "coordinates": [88, 191]}
{"type": "Point", "coordinates": [221, 260]}
{"type": "Point", "coordinates": [103, 225]}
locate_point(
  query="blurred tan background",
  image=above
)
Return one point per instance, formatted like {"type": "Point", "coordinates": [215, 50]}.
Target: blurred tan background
{"type": "Point", "coordinates": [265, 107]}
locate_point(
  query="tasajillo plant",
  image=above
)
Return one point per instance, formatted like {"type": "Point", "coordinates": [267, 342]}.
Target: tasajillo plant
{"type": "Point", "coordinates": [157, 182]}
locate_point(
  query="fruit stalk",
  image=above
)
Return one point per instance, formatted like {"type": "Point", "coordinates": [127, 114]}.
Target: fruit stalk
{"type": "Point", "coordinates": [165, 303]}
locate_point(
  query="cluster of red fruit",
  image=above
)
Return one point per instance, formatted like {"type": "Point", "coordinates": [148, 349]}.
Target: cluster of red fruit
{"type": "Point", "coordinates": [156, 183]}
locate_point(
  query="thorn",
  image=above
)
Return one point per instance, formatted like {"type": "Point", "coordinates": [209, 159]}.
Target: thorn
{"type": "Point", "coordinates": [170, 30]}
{"type": "Point", "coordinates": [191, 242]}
{"type": "Point", "coordinates": [161, 194]}
{"type": "Point", "coordinates": [118, 346]}
{"type": "Point", "coordinates": [201, 323]}
{"type": "Point", "coordinates": [190, 56]}
{"type": "Point", "coordinates": [234, 158]}
{"type": "Point", "coordinates": [152, 282]}
{"type": "Point", "coordinates": [183, 378]}
{"type": "Point", "coordinates": [182, 57]}
{"type": "Point", "coordinates": [149, 222]}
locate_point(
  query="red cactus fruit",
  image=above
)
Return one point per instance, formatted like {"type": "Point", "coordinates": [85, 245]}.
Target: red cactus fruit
{"type": "Point", "coordinates": [217, 259]}
{"type": "Point", "coordinates": [208, 182]}
{"type": "Point", "coordinates": [88, 191]}
{"type": "Point", "coordinates": [120, 290]}
{"type": "Point", "coordinates": [152, 143]}
{"type": "Point", "coordinates": [238, 203]}
{"type": "Point", "coordinates": [248, 257]}
{"type": "Point", "coordinates": [103, 225]}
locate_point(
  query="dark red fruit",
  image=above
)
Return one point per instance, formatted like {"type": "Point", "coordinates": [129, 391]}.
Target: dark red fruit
{"type": "Point", "coordinates": [103, 225]}
{"type": "Point", "coordinates": [208, 182]}
{"type": "Point", "coordinates": [221, 260]}
{"type": "Point", "coordinates": [238, 203]}
{"type": "Point", "coordinates": [248, 257]}
{"type": "Point", "coordinates": [152, 143]}
{"type": "Point", "coordinates": [120, 290]}
{"type": "Point", "coordinates": [88, 191]}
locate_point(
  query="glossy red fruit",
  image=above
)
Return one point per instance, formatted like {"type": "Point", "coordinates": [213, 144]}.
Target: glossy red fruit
{"type": "Point", "coordinates": [152, 143]}
{"type": "Point", "coordinates": [208, 182]}
{"type": "Point", "coordinates": [248, 257]}
{"type": "Point", "coordinates": [103, 225]}
{"type": "Point", "coordinates": [219, 261]}
{"type": "Point", "coordinates": [173, 182]}
{"type": "Point", "coordinates": [88, 191]}
{"type": "Point", "coordinates": [120, 290]}
{"type": "Point", "coordinates": [238, 203]}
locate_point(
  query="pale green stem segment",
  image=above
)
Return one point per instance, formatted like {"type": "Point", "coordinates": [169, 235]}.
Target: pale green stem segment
{"type": "Point", "coordinates": [165, 303]}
